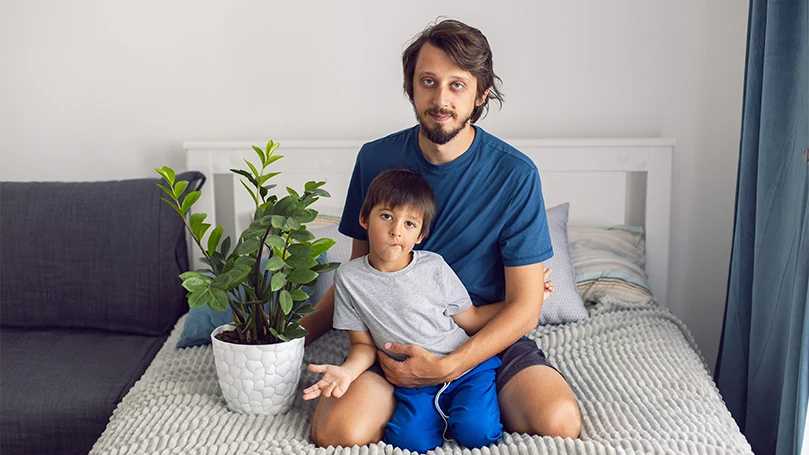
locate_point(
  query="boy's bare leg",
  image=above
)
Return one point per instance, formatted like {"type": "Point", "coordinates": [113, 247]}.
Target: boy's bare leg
{"type": "Point", "coordinates": [358, 417]}
{"type": "Point", "coordinates": [537, 400]}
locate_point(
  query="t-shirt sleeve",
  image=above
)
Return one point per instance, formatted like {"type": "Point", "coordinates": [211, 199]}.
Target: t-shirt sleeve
{"type": "Point", "coordinates": [456, 295]}
{"type": "Point", "coordinates": [350, 221]}
{"type": "Point", "coordinates": [525, 238]}
{"type": "Point", "coordinates": [345, 313]}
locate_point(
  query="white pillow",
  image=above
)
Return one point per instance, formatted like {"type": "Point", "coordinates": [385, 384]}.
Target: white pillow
{"type": "Point", "coordinates": [564, 305]}
{"type": "Point", "coordinates": [340, 252]}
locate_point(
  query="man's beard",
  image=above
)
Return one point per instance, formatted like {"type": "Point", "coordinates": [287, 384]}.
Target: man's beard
{"type": "Point", "coordinates": [437, 135]}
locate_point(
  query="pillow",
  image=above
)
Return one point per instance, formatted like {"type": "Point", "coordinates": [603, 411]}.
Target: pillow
{"type": "Point", "coordinates": [565, 304]}
{"type": "Point", "coordinates": [92, 255]}
{"type": "Point", "coordinates": [340, 252]}
{"type": "Point", "coordinates": [610, 261]}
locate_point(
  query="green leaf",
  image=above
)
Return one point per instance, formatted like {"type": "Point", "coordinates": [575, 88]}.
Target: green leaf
{"type": "Point", "coordinates": [220, 300]}
{"type": "Point", "coordinates": [273, 159]}
{"type": "Point", "coordinates": [286, 302]}
{"type": "Point", "coordinates": [321, 192]}
{"type": "Point", "coordinates": [225, 246]}
{"type": "Point", "coordinates": [302, 276]}
{"type": "Point", "coordinates": [195, 284]}
{"type": "Point", "coordinates": [167, 173]}
{"type": "Point", "coordinates": [328, 267]}
{"type": "Point", "coordinates": [266, 177]}
{"type": "Point", "coordinates": [302, 235]}
{"type": "Point", "coordinates": [197, 299]}
{"type": "Point", "coordinates": [278, 221]}
{"type": "Point", "coordinates": [167, 191]}
{"type": "Point", "coordinates": [294, 331]}
{"type": "Point", "coordinates": [320, 246]}
{"type": "Point", "coordinates": [250, 246]}
{"type": "Point", "coordinates": [179, 188]}
{"type": "Point", "coordinates": [293, 223]}
{"type": "Point", "coordinates": [174, 206]}
{"type": "Point", "coordinates": [271, 147]}
{"type": "Point", "coordinates": [293, 193]}
{"type": "Point", "coordinates": [260, 153]}
{"type": "Point", "coordinates": [193, 274]}
{"type": "Point", "coordinates": [283, 205]}
{"type": "Point", "coordinates": [310, 185]}
{"type": "Point", "coordinates": [304, 310]}
{"type": "Point", "coordinates": [278, 281]}
{"type": "Point", "coordinates": [252, 168]}
{"type": "Point", "coordinates": [302, 249]}
{"type": "Point", "coordinates": [213, 240]}
{"type": "Point", "coordinates": [298, 295]}
{"type": "Point", "coordinates": [190, 199]}
{"type": "Point", "coordinates": [297, 261]}
{"type": "Point", "coordinates": [195, 221]}
{"type": "Point", "coordinates": [253, 232]}
{"type": "Point", "coordinates": [245, 174]}
{"type": "Point", "coordinates": [276, 241]}
{"type": "Point", "coordinates": [278, 335]}
{"type": "Point", "coordinates": [249, 190]}
{"type": "Point", "coordinates": [275, 263]}
{"type": "Point", "coordinates": [306, 215]}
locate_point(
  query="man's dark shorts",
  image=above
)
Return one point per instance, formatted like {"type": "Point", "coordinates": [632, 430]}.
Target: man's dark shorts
{"type": "Point", "coordinates": [522, 354]}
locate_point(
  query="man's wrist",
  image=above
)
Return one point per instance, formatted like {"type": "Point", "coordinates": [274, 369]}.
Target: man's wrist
{"type": "Point", "coordinates": [449, 366]}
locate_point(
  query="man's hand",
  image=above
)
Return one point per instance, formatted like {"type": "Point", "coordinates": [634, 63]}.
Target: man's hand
{"type": "Point", "coordinates": [419, 370]}
{"type": "Point", "coordinates": [334, 383]}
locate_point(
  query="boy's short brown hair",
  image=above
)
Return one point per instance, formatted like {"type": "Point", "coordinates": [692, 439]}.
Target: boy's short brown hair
{"type": "Point", "coordinates": [401, 187]}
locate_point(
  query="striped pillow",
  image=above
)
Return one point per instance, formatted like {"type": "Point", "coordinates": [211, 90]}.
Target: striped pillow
{"type": "Point", "coordinates": [610, 261]}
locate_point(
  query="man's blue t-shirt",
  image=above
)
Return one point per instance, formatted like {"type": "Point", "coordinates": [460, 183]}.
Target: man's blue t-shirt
{"type": "Point", "coordinates": [490, 212]}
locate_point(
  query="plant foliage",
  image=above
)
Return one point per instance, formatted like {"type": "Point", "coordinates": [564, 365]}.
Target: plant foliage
{"type": "Point", "coordinates": [266, 302]}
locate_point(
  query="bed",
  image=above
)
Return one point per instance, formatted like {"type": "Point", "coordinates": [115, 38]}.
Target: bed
{"type": "Point", "coordinates": [641, 383]}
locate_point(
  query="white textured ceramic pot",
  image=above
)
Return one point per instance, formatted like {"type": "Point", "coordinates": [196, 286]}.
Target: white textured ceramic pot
{"type": "Point", "coordinates": [258, 379]}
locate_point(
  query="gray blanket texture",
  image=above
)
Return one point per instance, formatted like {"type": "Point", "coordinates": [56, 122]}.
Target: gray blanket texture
{"type": "Point", "coordinates": [641, 383]}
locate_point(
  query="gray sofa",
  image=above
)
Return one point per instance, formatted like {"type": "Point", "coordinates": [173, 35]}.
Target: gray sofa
{"type": "Point", "coordinates": [88, 295]}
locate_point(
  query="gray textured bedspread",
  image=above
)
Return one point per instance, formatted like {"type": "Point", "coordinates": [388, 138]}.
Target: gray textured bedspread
{"type": "Point", "coordinates": [641, 384]}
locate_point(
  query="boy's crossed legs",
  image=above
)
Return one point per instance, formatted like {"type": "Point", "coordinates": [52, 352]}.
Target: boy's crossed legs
{"type": "Point", "coordinates": [536, 400]}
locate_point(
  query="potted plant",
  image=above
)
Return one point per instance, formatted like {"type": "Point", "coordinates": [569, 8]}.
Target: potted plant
{"type": "Point", "coordinates": [262, 279]}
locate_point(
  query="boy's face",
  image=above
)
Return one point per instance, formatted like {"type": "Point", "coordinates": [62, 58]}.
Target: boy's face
{"type": "Point", "coordinates": [392, 233]}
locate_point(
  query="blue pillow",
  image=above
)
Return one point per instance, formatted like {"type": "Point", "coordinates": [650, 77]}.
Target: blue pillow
{"type": "Point", "coordinates": [201, 321]}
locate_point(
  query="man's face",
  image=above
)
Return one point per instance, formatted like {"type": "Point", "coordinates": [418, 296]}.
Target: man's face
{"type": "Point", "coordinates": [444, 95]}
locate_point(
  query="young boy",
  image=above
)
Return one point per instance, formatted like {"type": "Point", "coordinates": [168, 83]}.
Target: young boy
{"type": "Point", "coordinates": [398, 295]}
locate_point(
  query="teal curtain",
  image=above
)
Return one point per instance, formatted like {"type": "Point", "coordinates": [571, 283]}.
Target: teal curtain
{"type": "Point", "coordinates": [762, 369]}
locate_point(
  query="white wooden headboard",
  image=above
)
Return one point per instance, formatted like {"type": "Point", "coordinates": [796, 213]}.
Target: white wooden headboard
{"type": "Point", "coordinates": [606, 182]}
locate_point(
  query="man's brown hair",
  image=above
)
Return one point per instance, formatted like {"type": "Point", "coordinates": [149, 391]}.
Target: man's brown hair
{"type": "Point", "coordinates": [401, 188]}
{"type": "Point", "coordinates": [469, 50]}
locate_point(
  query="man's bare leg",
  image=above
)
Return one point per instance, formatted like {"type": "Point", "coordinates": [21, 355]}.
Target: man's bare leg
{"type": "Point", "coordinates": [537, 400]}
{"type": "Point", "coordinates": [358, 417]}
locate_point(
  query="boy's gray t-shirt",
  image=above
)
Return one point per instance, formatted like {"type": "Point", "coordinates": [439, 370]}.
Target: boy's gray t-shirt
{"type": "Point", "coordinates": [410, 306]}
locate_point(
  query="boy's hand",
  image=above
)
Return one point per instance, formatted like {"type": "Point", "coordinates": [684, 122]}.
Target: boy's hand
{"type": "Point", "coordinates": [334, 383]}
{"type": "Point", "coordinates": [548, 284]}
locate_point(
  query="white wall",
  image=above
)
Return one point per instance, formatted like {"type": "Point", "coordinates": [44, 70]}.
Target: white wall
{"type": "Point", "coordinates": [98, 89]}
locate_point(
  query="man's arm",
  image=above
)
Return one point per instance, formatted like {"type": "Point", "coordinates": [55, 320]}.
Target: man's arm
{"type": "Point", "coordinates": [475, 318]}
{"type": "Point", "coordinates": [519, 315]}
{"type": "Point", "coordinates": [321, 321]}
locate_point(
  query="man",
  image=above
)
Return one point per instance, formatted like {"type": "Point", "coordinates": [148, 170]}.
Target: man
{"type": "Point", "coordinates": [491, 229]}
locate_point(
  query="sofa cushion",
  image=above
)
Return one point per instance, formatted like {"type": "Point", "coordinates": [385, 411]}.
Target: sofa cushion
{"type": "Point", "coordinates": [98, 255]}
{"type": "Point", "coordinates": [60, 387]}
